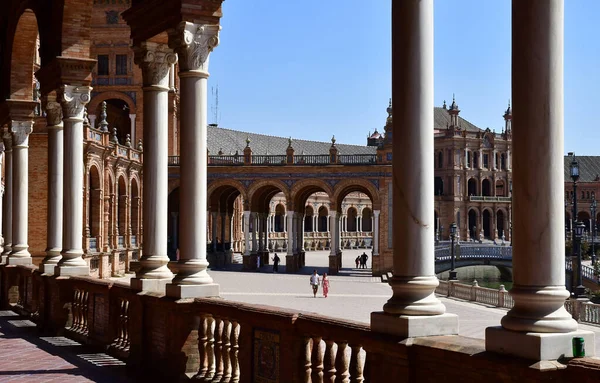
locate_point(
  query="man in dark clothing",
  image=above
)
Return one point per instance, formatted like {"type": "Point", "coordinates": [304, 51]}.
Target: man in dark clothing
{"type": "Point", "coordinates": [363, 260]}
{"type": "Point", "coordinates": [275, 263]}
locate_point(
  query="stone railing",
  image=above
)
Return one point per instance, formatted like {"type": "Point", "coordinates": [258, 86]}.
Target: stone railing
{"type": "Point", "coordinates": [476, 198]}
{"type": "Point", "coordinates": [312, 159]}
{"type": "Point", "coordinates": [215, 340]}
{"type": "Point", "coordinates": [468, 251]}
{"type": "Point", "coordinates": [357, 159]}
{"type": "Point", "coordinates": [268, 159]}
{"type": "Point", "coordinates": [283, 159]}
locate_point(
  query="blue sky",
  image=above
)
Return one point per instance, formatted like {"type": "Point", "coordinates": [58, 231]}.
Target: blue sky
{"type": "Point", "coordinates": [314, 68]}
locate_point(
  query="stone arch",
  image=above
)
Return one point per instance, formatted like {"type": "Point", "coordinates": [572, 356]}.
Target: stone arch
{"type": "Point", "coordinates": [222, 194]}
{"type": "Point", "coordinates": [347, 186]}
{"type": "Point", "coordinates": [96, 102]}
{"type": "Point", "coordinates": [352, 215]}
{"type": "Point", "coordinates": [366, 220]}
{"type": "Point", "coordinates": [472, 216]}
{"type": "Point", "coordinates": [309, 213]}
{"type": "Point", "coordinates": [302, 190]}
{"type": "Point", "coordinates": [486, 224]}
{"type": "Point", "coordinates": [323, 213]}
{"type": "Point", "coordinates": [261, 192]}
{"type": "Point", "coordinates": [279, 220]}
{"type": "Point", "coordinates": [23, 56]}
{"type": "Point", "coordinates": [486, 187]}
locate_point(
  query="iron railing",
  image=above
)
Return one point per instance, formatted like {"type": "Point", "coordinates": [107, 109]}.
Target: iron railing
{"type": "Point", "coordinates": [234, 159]}
{"type": "Point", "coordinates": [268, 159]}
{"type": "Point", "coordinates": [357, 159]}
{"type": "Point", "coordinates": [312, 159]}
{"type": "Point", "coordinates": [478, 198]}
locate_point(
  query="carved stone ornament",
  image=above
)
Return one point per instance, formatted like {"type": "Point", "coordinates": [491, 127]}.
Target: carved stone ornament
{"type": "Point", "coordinates": [73, 100]}
{"type": "Point", "coordinates": [20, 133]}
{"type": "Point", "coordinates": [155, 60]}
{"type": "Point", "coordinates": [7, 139]}
{"type": "Point", "coordinates": [53, 113]}
{"type": "Point", "coordinates": [193, 43]}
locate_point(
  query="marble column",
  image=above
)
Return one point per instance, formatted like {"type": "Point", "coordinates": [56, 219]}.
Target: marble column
{"type": "Point", "coordinates": [538, 326]}
{"type": "Point", "coordinates": [290, 233]}
{"type": "Point", "coordinates": [295, 233]}
{"type": "Point", "coordinates": [254, 232]}
{"type": "Point", "coordinates": [7, 205]}
{"type": "Point", "coordinates": [55, 187]}
{"type": "Point", "coordinates": [334, 227]}
{"type": "Point", "coordinates": [20, 131]}
{"type": "Point", "coordinates": [376, 232]}
{"type": "Point", "coordinates": [73, 100]}
{"type": "Point", "coordinates": [261, 231]}
{"type": "Point", "coordinates": [132, 118]}
{"type": "Point", "coordinates": [302, 228]}
{"type": "Point", "coordinates": [175, 226]}
{"type": "Point", "coordinates": [247, 233]}
{"type": "Point", "coordinates": [155, 60]}
{"type": "Point", "coordinates": [193, 44]}
{"type": "Point", "coordinates": [213, 241]}
{"type": "Point", "coordinates": [413, 310]}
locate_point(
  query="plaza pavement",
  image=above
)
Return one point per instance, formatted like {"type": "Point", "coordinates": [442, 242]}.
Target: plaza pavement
{"type": "Point", "coordinates": [353, 295]}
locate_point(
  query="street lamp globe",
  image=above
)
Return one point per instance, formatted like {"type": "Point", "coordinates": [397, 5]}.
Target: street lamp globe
{"type": "Point", "coordinates": [453, 230]}
{"type": "Point", "coordinates": [579, 228]}
{"type": "Point", "coordinates": [574, 169]}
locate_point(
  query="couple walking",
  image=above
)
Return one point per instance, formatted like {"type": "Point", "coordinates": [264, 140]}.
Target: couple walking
{"type": "Point", "coordinates": [315, 281]}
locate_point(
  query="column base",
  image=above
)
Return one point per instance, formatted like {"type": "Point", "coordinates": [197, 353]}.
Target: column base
{"type": "Point", "coordinates": [208, 290]}
{"type": "Point", "coordinates": [149, 285]}
{"type": "Point", "coordinates": [71, 271]}
{"type": "Point", "coordinates": [18, 261]}
{"type": "Point", "coordinates": [409, 326]}
{"type": "Point", "coordinates": [3, 259]}
{"type": "Point", "coordinates": [47, 268]}
{"type": "Point", "coordinates": [536, 345]}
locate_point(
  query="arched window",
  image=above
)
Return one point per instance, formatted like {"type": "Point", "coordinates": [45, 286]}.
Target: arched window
{"type": "Point", "coordinates": [323, 215]}
{"type": "Point", "coordinates": [279, 218]}
{"type": "Point", "coordinates": [367, 222]}
{"type": "Point", "coordinates": [486, 188]}
{"type": "Point", "coordinates": [308, 219]}
{"type": "Point", "coordinates": [122, 230]}
{"type": "Point", "coordinates": [472, 186]}
{"type": "Point", "coordinates": [438, 186]}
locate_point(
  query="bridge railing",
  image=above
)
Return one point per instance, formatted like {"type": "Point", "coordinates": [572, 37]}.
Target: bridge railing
{"type": "Point", "coordinates": [478, 198]}
{"type": "Point", "coordinates": [474, 252]}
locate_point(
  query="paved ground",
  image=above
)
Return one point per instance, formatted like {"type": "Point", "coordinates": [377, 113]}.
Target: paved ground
{"type": "Point", "coordinates": [353, 295]}
{"type": "Point", "coordinates": [27, 357]}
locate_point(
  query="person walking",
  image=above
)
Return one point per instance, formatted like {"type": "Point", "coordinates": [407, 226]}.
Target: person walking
{"type": "Point", "coordinates": [325, 285]}
{"type": "Point", "coordinates": [276, 263]}
{"type": "Point", "coordinates": [357, 260]}
{"type": "Point", "coordinates": [314, 282]}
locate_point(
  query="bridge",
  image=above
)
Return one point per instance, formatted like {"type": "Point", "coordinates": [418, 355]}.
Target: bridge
{"type": "Point", "coordinates": [501, 257]}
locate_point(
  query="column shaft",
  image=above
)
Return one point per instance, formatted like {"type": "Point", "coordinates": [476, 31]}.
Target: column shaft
{"type": "Point", "coordinates": [55, 187]}
{"type": "Point", "coordinates": [154, 60]}
{"type": "Point", "coordinates": [20, 140]}
{"type": "Point", "coordinates": [254, 232]}
{"type": "Point", "coordinates": [290, 233]}
{"type": "Point", "coordinates": [376, 232]}
{"type": "Point", "coordinates": [334, 233]}
{"type": "Point", "coordinates": [7, 201]}
{"type": "Point", "coordinates": [213, 241]}
{"type": "Point", "coordinates": [247, 233]}
{"type": "Point", "coordinates": [538, 256]}
{"type": "Point", "coordinates": [414, 280]}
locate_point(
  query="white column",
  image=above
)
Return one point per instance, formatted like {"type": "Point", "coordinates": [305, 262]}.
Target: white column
{"type": "Point", "coordinates": [55, 187]}
{"type": "Point", "coordinates": [254, 232]}
{"type": "Point", "coordinates": [172, 77]}
{"type": "Point", "coordinates": [302, 228]}
{"type": "Point", "coordinates": [132, 118]}
{"type": "Point", "coordinates": [413, 310]}
{"type": "Point", "coordinates": [261, 232]}
{"type": "Point", "coordinates": [290, 233]}
{"type": "Point", "coordinates": [223, 225]}
{"type": "Point", "coordinates": [92, 119]}
{"type": "Point", "coordinates": [329, 223]}
{"type": "Point", "coordinates": [285, 221]}
{"type": "Point", "coordinates": [213, 241]}
{"type": "Point", "coordinates": [20, 131]}
{"type": "Point", "coordinates": [7, 205]}
{"type": "Point", "coordinates": [73, 100]}
{"type": "Point", "coordinates": [193, 44]}
{"type": "Point", "coordinates": [538, 245]}
{"type": "Point", "coordinates": [376, 232]}
{"type": "Point", "coordinates": [247, 232]}
{"type": "Point", "coordinates": [153, 275]}
{"type": "Point", "coordinates": [333, 225]}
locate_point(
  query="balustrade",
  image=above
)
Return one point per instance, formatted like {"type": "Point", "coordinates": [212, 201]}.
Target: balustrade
{"type": "Point", "coordinates": [357, 159]}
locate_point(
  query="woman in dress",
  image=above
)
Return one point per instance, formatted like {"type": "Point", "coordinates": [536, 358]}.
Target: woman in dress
{"type": "Point", "coordinates": [325, 284]}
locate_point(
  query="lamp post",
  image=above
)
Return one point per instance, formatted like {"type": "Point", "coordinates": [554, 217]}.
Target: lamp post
{"type": "Point", "coordinates": [593, 210]}
{"type": "Point", "coordinates": [574, 177]}
{"type": "Point", "coordinates": [579, 228]}
{"type": "Point", "coordinates": [511, 211]}
{"type": "Point", "coordinates": [452, 237]}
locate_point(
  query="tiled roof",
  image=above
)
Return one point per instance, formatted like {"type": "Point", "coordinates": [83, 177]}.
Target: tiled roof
{"type": "Point", "coordinates": [229, 141]}
{"type": "Point", "coordinates": [441, 119]}
{"type": "Point", "coordinates": [589, 168]}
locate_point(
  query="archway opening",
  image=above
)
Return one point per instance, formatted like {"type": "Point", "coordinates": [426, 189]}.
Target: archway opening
{"type": "Point", "coordinates": [23, 58]}
{"type": "Point", "coordinates": [94, 206]}
{"type": "Point", "coordinates": [352, 220]}
{"type": "Point", "coordinates": [500, 223]}
{"type": "Point", "coordinates": [279, 218]}
{"type": "Point", "coordinates": [584, 216]}
{"type": "Point", "coordinates": [225, 227]}
{"type": "Point", "coordinates": [473, 224]}
{"type": "Point", "coordinates": [122, 212]}
{"type": "Point", "coordinates": [117, 116]}
{"type": "Point", "coordinates": [472, 187]}
{"type": "Point", "coordinates": [323, 218]}
{"type": "Point", "coordinates": [486, 188]}
{"type": "Point", "coordinates": [135, 210]}
{"type": "Point", "coordinates": [438, 186]}
{"type": "Point", "coordinates": [366, 220]}
{"type": "Point", "coordinates": [487, 233]}
{"type": "Point", "coordinates": [308, 219]}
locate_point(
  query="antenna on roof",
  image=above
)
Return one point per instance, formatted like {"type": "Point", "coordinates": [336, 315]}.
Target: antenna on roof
{"type": "Point", "coordinates": [215, 106]}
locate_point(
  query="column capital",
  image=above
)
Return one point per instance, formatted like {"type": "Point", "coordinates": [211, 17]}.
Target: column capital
{"type": "Point", "coordinates": [20, 131]}
{"type": "Point", "coordinates": [193, 43]}
{"type": "Point", "coordinates": [155, 60]}
{"type": "Point", "coordinates": [54, 114]}
{"type": "Point", "coordinates": [7, 140]}
{"type": "Point", "coordinates": [376, 213]}
{"type": "Point", "coordinates": [73, 99]}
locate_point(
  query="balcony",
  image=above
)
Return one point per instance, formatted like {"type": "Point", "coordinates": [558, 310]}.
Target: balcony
{"type": "Point", "coordinates": [476, 198]}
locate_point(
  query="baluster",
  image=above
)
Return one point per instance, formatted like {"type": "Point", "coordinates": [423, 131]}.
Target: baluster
{"type": "Point", "coordinates": [226, 351]}
{"type": "Point", "coordinates": [330, 351]}
{"type": "Point", "coordinates": [357, 363]}
{"type": "Point", "coordinates": [84, 311]}
{"type": "Point", "coordinates": [318, 350]}
{"type": "Point", "coordinates": [119, 341]}
{"type": "Point", "coordinates": [307, 362]}
{"type": "Point", "coordinates": [203, 347]}
{"type": "Point", "coordinates": [75, 311]}
{"type": "Point", "coordinates": [218, 350]}
{"type": "Point", "coordinates": [342, 362]}
{"type": "Point", "coordinates": [126, 326]}
{"type": "Point", "coordinates": [235, 348]}
{"type": "Point", "coordinates": [210, 348]}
